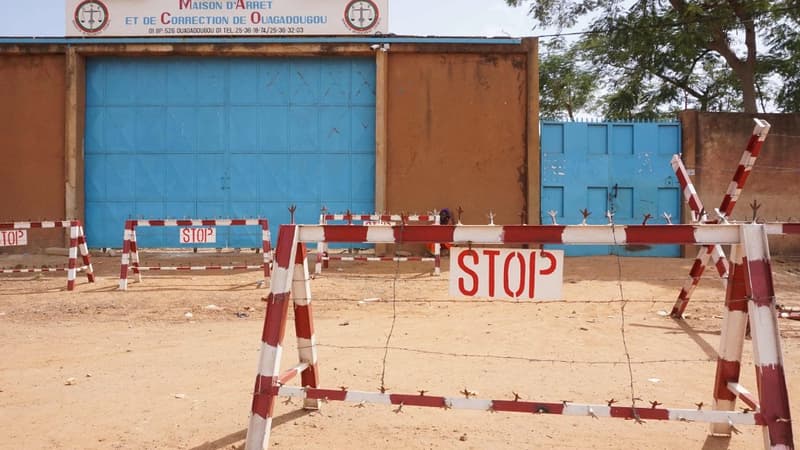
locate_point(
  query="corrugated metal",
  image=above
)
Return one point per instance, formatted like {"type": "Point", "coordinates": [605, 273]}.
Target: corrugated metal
{"type": "Point", "coordinates": [226, 137]}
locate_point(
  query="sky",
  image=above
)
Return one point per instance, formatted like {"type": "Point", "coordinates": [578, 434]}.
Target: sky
{"type": "Point", "coordinates": [493, 18]}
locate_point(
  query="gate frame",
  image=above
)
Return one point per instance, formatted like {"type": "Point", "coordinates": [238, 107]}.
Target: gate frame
{"type": "Point", "coordinates": [754, 274]}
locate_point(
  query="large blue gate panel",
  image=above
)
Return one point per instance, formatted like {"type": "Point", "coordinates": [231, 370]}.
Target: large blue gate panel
{"type": "Point", "coordinates": [552, 138]}
{"type": "Point", "coordinates": [669, 139]}
{"type": "Point", "coordinates": [304, 83]}
{"type": "Point", "coordinates": [623, 204]}
{"type": "Point", "coordinates": [622, 139]}
{"type": "Point", "coordinates": [226, 137]}
{"type": "Point", "coordinates": [303, 129]}
{"type": "Point", "coordinates": [335, 85]}
{"type": "Point", "coordinates": [274, 126]}
{"type": "Point", "coordinates": [274, 176]}
{"type": "Point", "coordinates": [149, 185]}
{"type": "Point", "coordinates": [552, 200]}
{"type": "Point", "coordinates": [120, 132]}
{"type": "Point", "coordinates": [212, 180]}
{"type": "Point", "coordinates": [105, 223]}
{"type": "Point", "coordinates": [245, 177]}
{"type": "Point", "coordinates": [120, 179]}
{"type": "Point", "coordinates": [94, 136]}
{"type": "Point", "coordinates": [362, 124]}
{"type": "Point", "coordinates": [180, 178]}
{"type": "Point", "coordinates": [152, 236]}
{"type": "Point", "coordinates": [181, 135]}
{"type": "Point", "coordinates": [362, 90]}
{"type": "Point", "coordinates": [274, 87]}
{"type": "Point", "coordinates": [334, 129]}
{"type": "Point", "coordinates": [151, 129]}
{"type": "Point", "coordinates": [243, 128]}
{"type": "Point", "coordinates": [212, 130]}
{"type": "Point", "coordinates": [598, 139]}
{"type": "Point", "coordinates": [151, 83]}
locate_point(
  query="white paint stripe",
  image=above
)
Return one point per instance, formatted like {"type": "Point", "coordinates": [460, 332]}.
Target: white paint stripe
{"type": "Point", "coordinates": [311, 233]}
{"type": "Point", "coordinates": [571, 409]}
{"type": "Point", "coordinates": [71, 274]}
{"type": "Point", "coordinates": [732, 336]}
{"type": "Point", "coordinates": [19, 225]}
{"type": "Point", "coordinates": [368, 397]}
{"type": "Point", "coordinates": [380, 233]}
{"type": "Point", "coordinates": [738, 389]}
{"type": "Point", "coordinates": [468, 403]}
{"type": "Point", "coordinates": [692, 191]}
{"type": "Point", "coordinates": [73, 252]}
{"type": "Point", "coordinates": [761, 129]}
{"type": "Point", "coordinates": [48, 224]}
{"type": "Point", "coordinates": [258, 433]}
{"type": "Point", "coordinates": [307, 350]}
{"type": "Point", "coordinates": [766, 346]}
{"type": "Point", "coordinates": [774, 228]}
{"type": "Point", "coordinates": [732, 188]}
{"type": "Point", "coordinates": [478, 234]}
{"type": "Point", "coordinates": [712, 416]}
{"type": "Point", "coordinates": [716, 234]}
{"type": "Point", "coordinates": [756, 247]}
{"type": "Point", "coordinates": [269, 361]}
{"type": "Point", "coordinates": [594, 234]}
{"type": "Point", "coordinates": [280, 280]}
{"type": "Point", "coordinates": [126, 258]}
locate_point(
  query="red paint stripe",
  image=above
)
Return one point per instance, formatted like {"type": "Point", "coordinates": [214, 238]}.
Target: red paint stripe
{"type": "Point", "coordinates": [697, 268]}
{"type": "Point", "coordinates": [310, 376]}
{"type": "Point", "coordinates": [284, 248]}
{"type": "Point", "coordinates": [695, 204]}
{"type": "Point", "coordinates": [424, 233]}
{"type": "Point", "coordinates": [544, 234]}
{"type": "Point", "coordinates": [303, 323]}
{"type": "Point", "coordinates": [300, 254]}
{"type": "Point", "coordinates": [326, 394]}
{"type": "Point", "coordinates": [651, 234]}
{"type": "Point", "coordinates": [736, 293]}
{"type": "Point", "coordinates": [628, 412]}
{"type": "Point", "coordinates": [727, 371]}
{"type": "Point", "coordinates": [275, 320]}
{"type": "Point", "coordinates": [721, 267]}
{"type": "Point", "coordinates": [345, 233]}
{"type": "Point", "coordinates": [760, 275]}
{"type": "Point", "coordinates": [263, 396]}
{"type": "Point", "coordinates": [287, 376]}
{"type": "Point", "coordinates": [791, 228]}
{"type": "Point", "coordinates": [775, 405]}
{"type": "Point", "coordinates": [238, 222]}
{"type": "Point", "coordinates": [512, 406]}
{"type": "Point", "coordinates": [417, 400]}
{"type": "Point", "coordinates": [156, 223]}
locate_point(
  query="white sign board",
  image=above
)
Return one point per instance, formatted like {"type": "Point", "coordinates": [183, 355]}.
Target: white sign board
{"type": "Point", "coordinates": [169, 18]}
{"type": "Point", "coordinates": [205, 235]}
{"type": "Point", "coordinates": [11, 238]}
{"type": "Point", "coordinates": [506, 273]}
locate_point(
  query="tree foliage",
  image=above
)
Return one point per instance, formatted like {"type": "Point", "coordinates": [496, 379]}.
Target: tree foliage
{"type": "Point", "coordinates": [658, 56]}
{"type": "Point", "coordinates": [565, 86]}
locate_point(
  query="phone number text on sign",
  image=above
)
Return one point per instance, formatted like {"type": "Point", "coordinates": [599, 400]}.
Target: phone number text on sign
{"type": "Point", "coordinates": [518, 274]}
{"type": "Point", "coordinates": [11, 238]}
{"type": "Point", "coordinates": [205, 235]}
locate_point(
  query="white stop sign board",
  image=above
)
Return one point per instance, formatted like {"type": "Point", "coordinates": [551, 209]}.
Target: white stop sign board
{"type": "Point", "coordinates": [518, 274]}
{"type": "Point", "coordinates": [204, 235]}
{"type": "Point", "coordinates": [12, 238]}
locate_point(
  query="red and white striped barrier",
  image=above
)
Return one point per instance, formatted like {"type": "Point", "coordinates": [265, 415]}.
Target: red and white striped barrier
{"type": "Point", "coordinates": [190, 233]}
{"type": "Point", "coordinates": [743, 170]}
{"type": "Point", "coordinates": [377, 220]}
{"type": "Point", "coordinates": [770, 410]}
{"type": "Point", "coordinates": [15, 233]}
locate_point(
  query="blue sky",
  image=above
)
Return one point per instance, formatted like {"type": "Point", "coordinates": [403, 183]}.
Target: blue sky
{"type": "Point", "coordinates": [413, 17]}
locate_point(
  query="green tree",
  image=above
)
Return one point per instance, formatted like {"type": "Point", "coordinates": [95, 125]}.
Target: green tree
{"type": "Point", "coordinates": [657, 55]}
{"type": "Point", "coordinates": [565, 86]}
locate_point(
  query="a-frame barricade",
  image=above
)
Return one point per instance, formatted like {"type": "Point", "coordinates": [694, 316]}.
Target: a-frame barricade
{"type": "Point", "coordinates": [750, 292]}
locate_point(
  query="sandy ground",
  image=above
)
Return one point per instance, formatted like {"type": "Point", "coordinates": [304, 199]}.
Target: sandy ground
{"type": "Point", "coordinates": [100, 368]}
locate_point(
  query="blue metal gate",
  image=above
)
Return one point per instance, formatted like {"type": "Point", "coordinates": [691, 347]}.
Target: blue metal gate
{"type": "Point", "coordinates": [619, 167]}
{"type": "Point", "coordinates": [226, 137]}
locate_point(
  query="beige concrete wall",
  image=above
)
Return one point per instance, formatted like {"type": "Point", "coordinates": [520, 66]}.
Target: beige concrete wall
{"type": "Point", "coordinates": [457, 134]}
{"type": "Point", "coordinates": [713, 144]}
{"type": "Point", "coordinates": [32, 90]}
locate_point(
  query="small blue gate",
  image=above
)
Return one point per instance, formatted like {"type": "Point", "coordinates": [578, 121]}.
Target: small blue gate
{"type": "Point", "coordinates": [622, 167]}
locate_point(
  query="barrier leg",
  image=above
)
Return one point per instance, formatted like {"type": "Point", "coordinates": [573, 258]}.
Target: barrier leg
{"type": "Point", "coordinates": [125, 259]}
{"type": "Point", "coordinates": [767, 352]}
{"type": "Point", "coordinates": [731, 340]}
{"type": "Point", "coordinates": [135, 255]}
{"type": "Point", "coordinates": [304, 324]}
{"type": "Point", "coordinates": [266, 248]}
{"type": "Point", "coordinates": [84, 249]}
{"type": "Point", "coordinates": [73, 257]}
{"type": "Point", "coordinates": [259, 427]}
